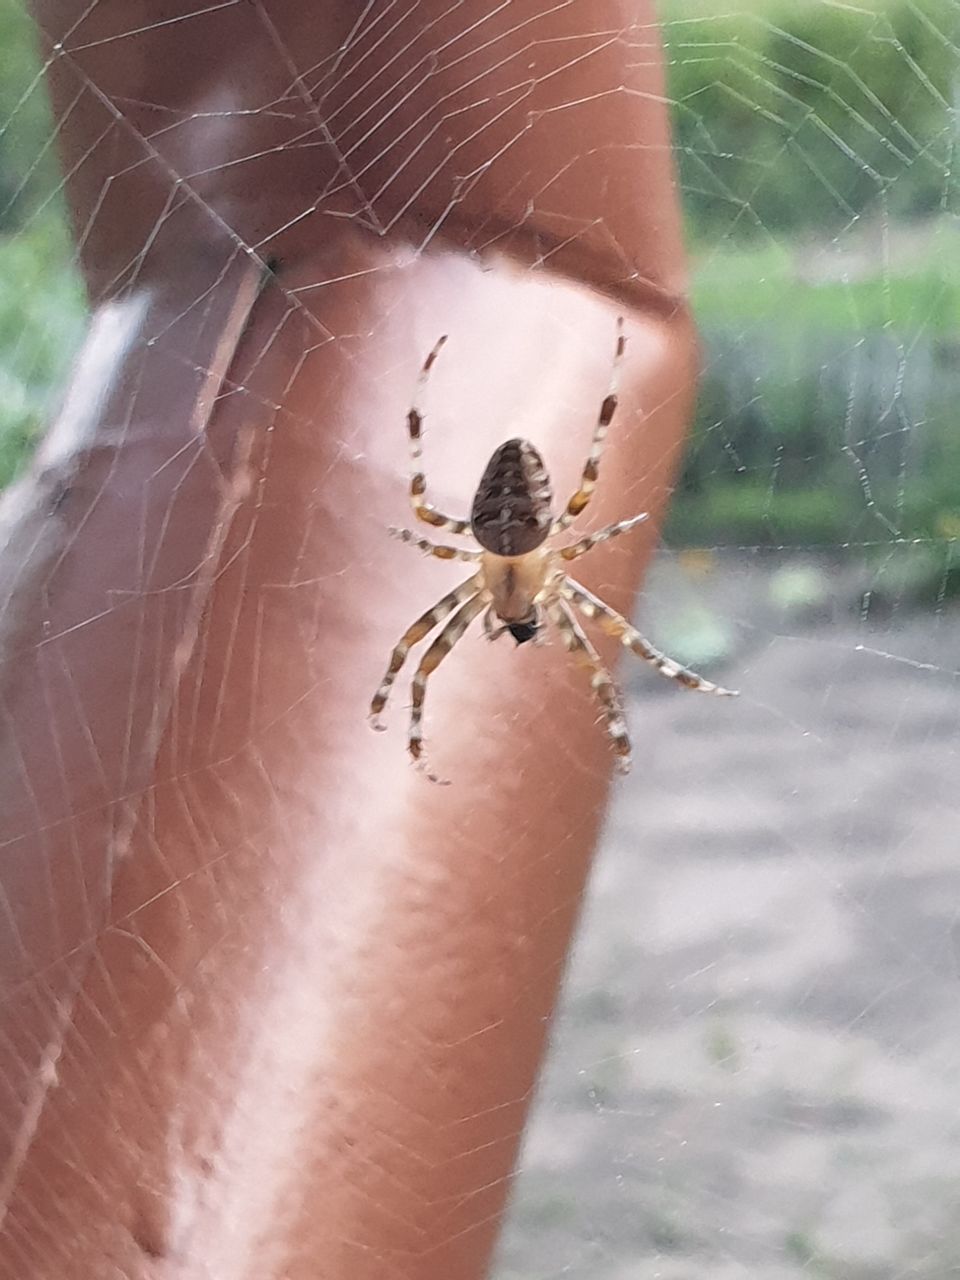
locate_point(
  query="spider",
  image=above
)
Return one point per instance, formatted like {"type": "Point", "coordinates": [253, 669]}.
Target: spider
{"type": "Point", "coordinates": [520, 580]}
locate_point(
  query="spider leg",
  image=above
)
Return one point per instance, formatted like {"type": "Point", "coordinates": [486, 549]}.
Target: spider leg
{"type": "Point", "coordinates": [578, 549]}
{"type": "Point", "coordinates": [601, 681]}
{"type": "Point", "coordinates": [433, 548]}
{"type": "Point", "coordinates": [444, 642]}
{"type": "Point", "coordinates": [424, 510]}
{"type": "Point", "coordinates": [591, 468]}
{"type": "Point", "coordinates": [614, 624]}
{"type": "Point", "coordinates": [413, 635]}
{"type": "Point", "coordinates": [490, 630]}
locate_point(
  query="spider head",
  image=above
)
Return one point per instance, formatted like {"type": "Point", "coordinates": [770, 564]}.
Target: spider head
{"type": "Point", "coordinates": [524, 631]}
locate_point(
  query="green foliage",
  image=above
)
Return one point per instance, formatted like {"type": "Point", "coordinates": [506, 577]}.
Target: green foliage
{"type": "Point", "coordinates": [41, 320]}
{"type": "Point", "coordinates": [28, 165]}
{"type": "Point", "coordinates": [791, 116]}
{"type": "Point", "coordinates": [41, 302]}
{"type": "Point", "coordinates": [827, 411]}
{"type": "Point", "coordinates": [827, 407]}
{"type": "Point", "coordinates": [737, 287]}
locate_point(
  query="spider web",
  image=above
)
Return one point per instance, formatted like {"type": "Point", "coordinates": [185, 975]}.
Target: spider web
{"type": "Point", "coordinates": [754, 1066]}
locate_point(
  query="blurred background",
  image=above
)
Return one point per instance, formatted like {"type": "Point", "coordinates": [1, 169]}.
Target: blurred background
{"type": "Point", "coordinates": [755, 1068]}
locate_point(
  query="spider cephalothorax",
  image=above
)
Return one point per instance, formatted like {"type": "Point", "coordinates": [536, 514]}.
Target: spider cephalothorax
{"type": "Point", "coordinates": [520, 582]}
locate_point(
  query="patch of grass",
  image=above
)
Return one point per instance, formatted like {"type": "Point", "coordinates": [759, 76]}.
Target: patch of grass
{"type": "Point", "coordinates": [749, 514]}
{"type": "Point", "coordinates": [827, 410]}
{"type": "Point", "coordinates": [741, 287]}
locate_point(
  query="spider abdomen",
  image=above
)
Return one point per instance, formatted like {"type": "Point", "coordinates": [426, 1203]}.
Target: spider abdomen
{"type": "Point", "coordinates": [512, 507]}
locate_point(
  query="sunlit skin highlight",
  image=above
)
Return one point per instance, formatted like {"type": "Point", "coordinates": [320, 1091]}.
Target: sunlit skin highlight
{"type": "Point", "coordinates": [521, 581]}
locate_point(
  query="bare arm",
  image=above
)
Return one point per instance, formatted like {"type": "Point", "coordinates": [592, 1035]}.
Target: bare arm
{"type": "Point", "coordinates": [274, 1001]}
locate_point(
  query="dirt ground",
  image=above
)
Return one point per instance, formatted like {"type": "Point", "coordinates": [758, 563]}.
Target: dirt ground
{"type": "Point", "coordinates": [756, 1067]}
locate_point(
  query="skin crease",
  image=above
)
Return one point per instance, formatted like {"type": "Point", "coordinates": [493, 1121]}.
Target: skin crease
{"type": "Point", "coordinates": [274, 1006]}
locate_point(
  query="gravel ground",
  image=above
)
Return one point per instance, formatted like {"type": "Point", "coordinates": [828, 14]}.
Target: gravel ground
{"type": "Point", "coordinates": [756, 1067]}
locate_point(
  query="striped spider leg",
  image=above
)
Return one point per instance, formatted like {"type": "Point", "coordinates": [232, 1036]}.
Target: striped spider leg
{"type": "Point", "coordinates": [520, 584]}
{"type": "Point", "coordinates": [433, 548]}
{"type": "Point", "coordinates": [591, 469]}
{"type": "Point", "coordinates": [601, 681]}
{"type": "Point", "coordinates": [614, 624]}
{"type": "Point", "coordinates": [423, 509]}
{"type": "Point", "coordinates": [418, 631]}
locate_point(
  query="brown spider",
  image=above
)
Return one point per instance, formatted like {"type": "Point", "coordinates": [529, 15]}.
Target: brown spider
{"type": "Point", "coordinates": [520, 581]}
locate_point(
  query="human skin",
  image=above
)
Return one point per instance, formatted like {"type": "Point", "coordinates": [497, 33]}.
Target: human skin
{"type": "Point", "coordinates": [274, 1003]}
